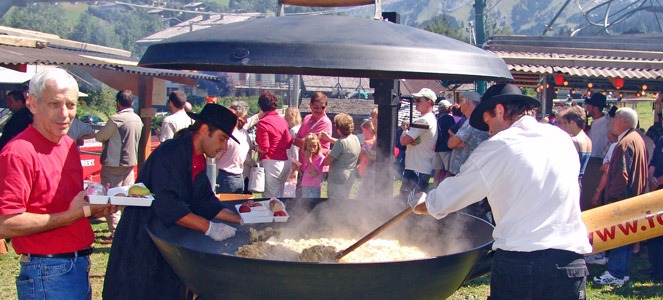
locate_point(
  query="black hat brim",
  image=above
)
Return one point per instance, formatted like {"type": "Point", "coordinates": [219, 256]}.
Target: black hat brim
{"type": "Point", "coordinates": [213, 122]}
{"type": "Point", "coordinates": [476, 118]}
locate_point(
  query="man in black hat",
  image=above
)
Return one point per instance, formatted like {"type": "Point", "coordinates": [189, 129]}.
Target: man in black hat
{"type": "Point", "coordinates": [528, 171]}
{"type": "Point", "coordinates": [600, 124]}
{"type": "Point", "coordinates": [175, 174]}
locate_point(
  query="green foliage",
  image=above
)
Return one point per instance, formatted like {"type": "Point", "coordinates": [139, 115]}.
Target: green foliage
{"type": "Point", "coordinates": [91, 29]}
{"type": "Point", "coordinates": [100, 103]}
{"type": "Point", "coordinates": [253, 5]}
{"type": "Point", "coordinates": [39, 17]}
{"type": "Point", "coordinates": [128, 27]}
{"type": "Point", "coordinates": [445, 25]}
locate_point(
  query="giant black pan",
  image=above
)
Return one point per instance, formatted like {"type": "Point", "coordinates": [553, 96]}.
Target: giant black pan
{"type": "Point", "coordinates": [211, 271]}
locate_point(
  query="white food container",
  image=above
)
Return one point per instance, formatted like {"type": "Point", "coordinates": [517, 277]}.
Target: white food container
{"type": "Point", "coordinates": [97, 199]}
{"type": "Point", "coordinates": [260, 214]}
{"type": "Point", "coordinates": [128, 201]}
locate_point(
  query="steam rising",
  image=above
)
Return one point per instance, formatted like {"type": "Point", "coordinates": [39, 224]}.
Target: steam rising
{"type": "Point", "coordinates": [354, 219]}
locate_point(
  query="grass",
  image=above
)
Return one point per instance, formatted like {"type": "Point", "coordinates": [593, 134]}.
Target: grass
{"type": "Point", "coordinates": [638, 288]}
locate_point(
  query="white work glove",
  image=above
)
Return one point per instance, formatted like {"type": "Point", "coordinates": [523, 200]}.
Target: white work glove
{"type": "Point", "coordinates": [220, 231]}
{"type": "Point", "coordinates": [417, 199]}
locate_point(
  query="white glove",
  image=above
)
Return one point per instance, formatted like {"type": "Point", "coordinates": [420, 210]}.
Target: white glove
{"type": "Point", "coordinates": [220, 231]}
{"type": "Point", "coordinates": [418, 198]}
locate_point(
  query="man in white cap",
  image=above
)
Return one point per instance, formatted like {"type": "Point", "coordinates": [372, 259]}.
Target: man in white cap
{"type": "Point", "coordinates": [420, 141]}
{"type": "Point", "coordinates": [540, 237]}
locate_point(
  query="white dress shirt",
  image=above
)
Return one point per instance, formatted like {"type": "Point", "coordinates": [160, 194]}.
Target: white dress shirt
{"type": "Point", "coordinates": [173, 123]}
{"type": "Point", "coordinates": [529, 172]}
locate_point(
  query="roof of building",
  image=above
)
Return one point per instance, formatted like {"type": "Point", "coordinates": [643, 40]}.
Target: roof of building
{"type": "Point", "coordinates": [13, 56]}
{"type": "Point", "coordinates": [197, 23]}
{"type": "Point", "coordinates": [329, 84]}
{"type": "Point", "coordinates": [635, 57]}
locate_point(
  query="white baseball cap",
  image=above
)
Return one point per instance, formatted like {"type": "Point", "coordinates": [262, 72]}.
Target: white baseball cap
{"type": "Point", "coordinates": [445, 103]}
{"type": "Point", "coordinates": [426, 93]}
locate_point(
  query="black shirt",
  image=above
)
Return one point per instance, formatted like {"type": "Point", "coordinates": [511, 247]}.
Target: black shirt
{"type": "Point", "coordinates": [444, 122]}
{"type": "Point", "coordinates": [18, 122]}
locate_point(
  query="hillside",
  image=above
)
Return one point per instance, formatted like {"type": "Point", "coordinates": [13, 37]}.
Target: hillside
{"type": "Point", "coordinates": [108, 24]}
{"type": "Point", "coordinates": [529, 17]}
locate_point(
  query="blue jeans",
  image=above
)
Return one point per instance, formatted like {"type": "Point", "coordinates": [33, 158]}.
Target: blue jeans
{"type": "Point", "coordinates": [619, 261]}
{"type": "Point", "coordinates": [54, 278]}
{"type": "Point", "coordinates": [543, 274]}
{"type": "Point", "coordinates": [310, 192]}
{"type": "Point", "coordinates": [655, 249]}
{"type": "Point", "coordinates": [413, 180]}
{"type": "Point", "coordinates": [229, 183]}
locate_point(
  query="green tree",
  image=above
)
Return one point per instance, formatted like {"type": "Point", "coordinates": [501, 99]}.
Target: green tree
{"type": "Point", "coordinates": [445, 25]}
{"type": "Point", "coordinates": [101, 102]}
{"type": "Point", "coordinates": [93, 30]}
{"type": "Point", "coordinates": [42, 17]}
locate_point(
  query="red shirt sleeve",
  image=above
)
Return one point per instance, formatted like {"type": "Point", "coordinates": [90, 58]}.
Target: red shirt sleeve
{"type": "Point", "coordinates": [262, 137]}
{"type": "Point", "coordinates": [14, 191]}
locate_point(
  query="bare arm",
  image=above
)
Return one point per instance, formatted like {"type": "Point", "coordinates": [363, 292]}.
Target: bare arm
{"type": "Point", "coordinates": [326, 137]}
{"type": "Point", "coordinates": [602, 182]}
{"type": "Point", "coordinates": [328, 160]}
{"type": "Point", "coordinates": [406, 139]}
{"type": "Point", "coordinates": [194, 222]}
{"type": "Point", "coordinates": [227, 216]}
{"type": "Point", "coordinates": [455, 143]}
{"type": "Point", "coordinates": [30, 223]}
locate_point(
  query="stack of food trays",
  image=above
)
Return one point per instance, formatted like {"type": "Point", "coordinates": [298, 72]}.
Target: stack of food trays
{"type": "Point", "coordinates": [267, 211]}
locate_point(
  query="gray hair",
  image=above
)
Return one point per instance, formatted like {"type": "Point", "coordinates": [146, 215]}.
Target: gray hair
{"type": "Point", "coordinates": [240, 107]}
{"type": "Point", "coordinates": [629, 114]}
{"type": "Point", "coordinates": [472, 96]}
{"type": "Point", "coordinates": [62, 79]}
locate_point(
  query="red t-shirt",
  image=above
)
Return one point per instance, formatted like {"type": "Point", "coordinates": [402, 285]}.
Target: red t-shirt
{"type": "Point", "coordinates": [43, 177]}
{"type": "Point", "coordinates": [273, 136]}
{"type": "Point", "coordinates": [197, 163]}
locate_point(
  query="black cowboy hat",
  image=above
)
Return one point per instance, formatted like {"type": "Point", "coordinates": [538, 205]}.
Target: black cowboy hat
{"type": "Point", "coordinates": [499, 93]}
{"type": "Point", "coordinates": [597, 99]}
{"type": "Point", "coordinates": [217, 116]}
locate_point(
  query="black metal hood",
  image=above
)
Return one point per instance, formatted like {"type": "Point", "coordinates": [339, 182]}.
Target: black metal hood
{"type": "Point", "coordinates": [326, 45]}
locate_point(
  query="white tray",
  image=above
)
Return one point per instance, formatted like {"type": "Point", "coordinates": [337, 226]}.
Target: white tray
{"type": "Point", "coordinates": [123, 201]}
{"type": "Point", "coordinates": [128, 201]}
{"type": "Point", "coordinates": [260, 214]}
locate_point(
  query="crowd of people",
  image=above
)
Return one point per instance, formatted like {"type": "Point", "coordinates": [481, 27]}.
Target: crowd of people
{"type": "Point", "coordinates": [487, 154]}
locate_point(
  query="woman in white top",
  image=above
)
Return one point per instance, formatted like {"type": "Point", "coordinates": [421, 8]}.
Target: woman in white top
{"type": "Point", "coordinates": [230, 163]}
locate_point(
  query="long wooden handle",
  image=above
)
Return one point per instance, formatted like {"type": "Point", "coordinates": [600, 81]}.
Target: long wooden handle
{"type": "Point", "coordinates": [327, 3]}
{"type": "Point", "coordinates": [373, 233]}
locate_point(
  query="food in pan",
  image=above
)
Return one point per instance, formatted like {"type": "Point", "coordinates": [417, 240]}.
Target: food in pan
{"type": "Point", "coordinates": [280, 213]}
{"type": "Point", "coordinates": [261, 235]}
{"type": "Point", "coordinates": [324, 250]}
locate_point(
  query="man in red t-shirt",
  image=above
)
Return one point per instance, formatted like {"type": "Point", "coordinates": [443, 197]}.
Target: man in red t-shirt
{"type": "Point", "coordinates": [42, 202]}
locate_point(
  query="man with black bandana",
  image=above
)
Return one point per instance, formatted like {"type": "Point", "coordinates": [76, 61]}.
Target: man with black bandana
{"type": "Point", "coordinates": [539, 235]}
{"type": "Point", "coordinates": [175, 174]}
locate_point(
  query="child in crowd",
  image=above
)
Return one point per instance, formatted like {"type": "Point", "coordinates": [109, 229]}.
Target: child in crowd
{"type": "Point", "coordinates": [368, 131]}
{"type": "Point", "coordinates": [311, 167]}
{"type": "Point", "coordinates": [294, 119]}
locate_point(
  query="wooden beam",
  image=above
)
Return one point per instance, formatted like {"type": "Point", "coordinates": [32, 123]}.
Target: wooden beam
{"type": "Point", "coordinates": [145, 88]}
